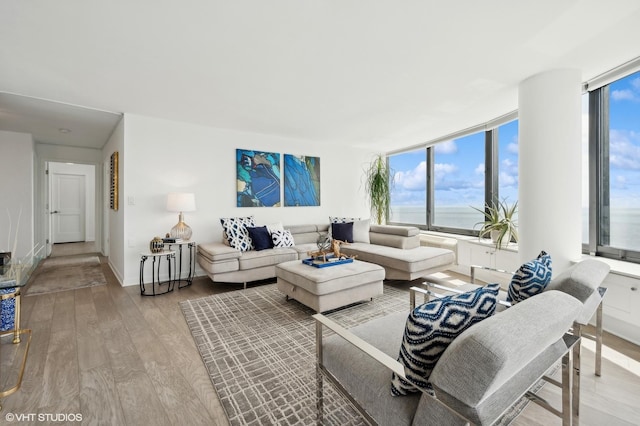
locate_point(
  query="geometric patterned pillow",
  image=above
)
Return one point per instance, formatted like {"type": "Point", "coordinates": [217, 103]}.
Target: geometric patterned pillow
{"type": "Point", "coordinates": [282, 238]}
{"type": "Point", "coordinates": [530, 279]}
{"type": "Point", "coordinates": [236, 231]}
{"type": "Point", "coordinates": [336, 219]}
{"type": "Point", "coordinates": [430, 329]}
{"type": "Point", "coordinates": [7, 310]}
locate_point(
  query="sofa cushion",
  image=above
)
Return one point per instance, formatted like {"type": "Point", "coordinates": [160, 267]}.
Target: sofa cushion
{"type": "Point", "coordinates": [581, 279]}
{"type": "Point", "coordinates": [530, 279]}
{"type": "Point", "coordinates": [236, 231]}
{"type": "Point", "coordinates": [260, 237]}
{"type": "Point", "coordinates": [271, 257]}
{"type": "Point", "coordinates": [411, 260]}
{"type": "Point", "coordinates": [342, 231]}
{"type": "Point", "coordinates": [361, 231]}
{"type": "Point", "coordinates": [282, 238]}
{"type": "Point", "coordinates": [363, 377]}
{"type": "Point", "coordinates": [431, 327]}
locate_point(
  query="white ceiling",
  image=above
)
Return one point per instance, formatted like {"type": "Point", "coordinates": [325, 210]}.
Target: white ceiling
{"type": "Point", "coordinates": [379, 73]}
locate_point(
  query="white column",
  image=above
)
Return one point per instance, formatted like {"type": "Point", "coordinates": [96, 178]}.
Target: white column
{"type": "Point", "coordinates": [549, 205]}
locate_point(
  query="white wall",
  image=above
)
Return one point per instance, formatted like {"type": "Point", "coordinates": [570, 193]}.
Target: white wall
{"type": "Point", "coordinates": [162, 156]}
{"type": "Point", "coordinates": [114, 220]}
{"type": "Point", "coordinates": [88, 171]}
{"type": "Point", "coordinates": [16, 192]}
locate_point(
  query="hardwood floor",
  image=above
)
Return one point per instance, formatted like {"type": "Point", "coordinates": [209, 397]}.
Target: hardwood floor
{"type": "Point", "coordinates": [118, 358]}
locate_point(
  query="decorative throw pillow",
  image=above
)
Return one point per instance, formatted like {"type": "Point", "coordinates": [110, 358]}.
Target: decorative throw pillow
{"type": "Point", "coordinates": [336, 219]}
{"type": "Point", "coordinates": [260, 237]}
{"type": "Point", "coordinates": [530, 279]}
{"type": "Point", "coordinates": [430, 329]}
{"type": "Point", "coordinates": [274, 227]}
{"type": "Point", "coordinates": [236, 231]}
{"type": "Point", "coordinates": [361, 231]}
{"type": "Point", "coordinates": [342, 231]}
{"type": "Point", "coordinates": [282, 238]}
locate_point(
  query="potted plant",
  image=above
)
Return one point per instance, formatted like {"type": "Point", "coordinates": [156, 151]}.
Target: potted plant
{"type": "Point", "coordinates": [378, 184]}
{"type": "Point", "coordinates": [500, 223]}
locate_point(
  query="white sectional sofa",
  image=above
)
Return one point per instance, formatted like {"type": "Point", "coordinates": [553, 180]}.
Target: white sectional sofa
{"type": "Point", "coordinates": [396, 248]}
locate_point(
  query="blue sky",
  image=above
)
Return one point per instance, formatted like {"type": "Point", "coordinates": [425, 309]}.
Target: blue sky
{"type": "Point", "coordinates": [459, 171]}
{"type": "Point", "coordinates": [459, 164]}
{"type": "Point", "coordinates": [624, 140]}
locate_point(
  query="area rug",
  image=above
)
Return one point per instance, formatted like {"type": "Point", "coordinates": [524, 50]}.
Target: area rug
{"type": "Point", "coordinates": [259, 351]}
{"type": "Point", "coordinates": [66, 273]}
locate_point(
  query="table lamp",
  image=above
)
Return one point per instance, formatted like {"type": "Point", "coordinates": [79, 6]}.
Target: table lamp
{"type": "Point", "coordinates": [181, 202]}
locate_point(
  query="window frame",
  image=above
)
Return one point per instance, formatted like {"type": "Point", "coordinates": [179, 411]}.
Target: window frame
{"type": "Point", "coordinates": [598, 243]}
{"type": "Point", "coordinates": [491, 175]}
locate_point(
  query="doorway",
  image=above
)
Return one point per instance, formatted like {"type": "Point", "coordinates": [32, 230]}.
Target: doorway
{"type": "Point", "coordinates": [72, 208]}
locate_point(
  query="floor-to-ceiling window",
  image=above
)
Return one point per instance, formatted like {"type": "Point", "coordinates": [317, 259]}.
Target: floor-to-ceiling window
{"type": "Point", "coordinates": [439, 186]}
{"type": "Point", "coordinates": [458, 182]}
{"type": "Point", "coordinates": [614, 137]}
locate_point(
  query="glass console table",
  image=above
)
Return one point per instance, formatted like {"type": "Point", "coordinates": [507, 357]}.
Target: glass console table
{"type": "Point", "coordinates": [13, 277]}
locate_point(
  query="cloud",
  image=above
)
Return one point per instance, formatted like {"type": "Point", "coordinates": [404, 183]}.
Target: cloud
{"type": "Point", "coordinates": [444, 168]}
{"type": "Point", "coordinates": [619, 182]}
{"type": "Point", "coordinates": [448, 147]}
{"type": "Point", "coordinates": [480, 169]}
{"type": "Point", "coordinates": [624, 149]}
{"type": "Point", "coordinates": [513, 148]}
{"type": "Point", "coordinates": [412, 180]}
{"type": "Point", "coordinates": [624, 95]}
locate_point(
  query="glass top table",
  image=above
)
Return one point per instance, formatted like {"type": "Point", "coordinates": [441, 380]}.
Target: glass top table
{"type": "Point", "coordinates": [17, 273]}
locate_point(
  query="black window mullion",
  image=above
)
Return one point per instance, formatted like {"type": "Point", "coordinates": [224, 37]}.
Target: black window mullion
{"type": "Point", "coordinates": [491, 196]}
{"type": "Point", "coordinates": [430, 186]}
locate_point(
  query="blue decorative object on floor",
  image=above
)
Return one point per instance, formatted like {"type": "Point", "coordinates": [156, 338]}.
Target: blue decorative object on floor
{"type": "Point", "coordinates": [7, 310]}
{"type": "Point", "coordinates": [530, 279]}
{"type": "Point", "coordinates": [430, 329]}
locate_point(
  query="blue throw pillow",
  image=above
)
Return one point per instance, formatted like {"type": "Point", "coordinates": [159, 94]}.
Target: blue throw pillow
{"type": "Point", "coordinates": [430, 329]}
{"type": "Point", "coordinates": [260, 237]}
{"type": "Point", "coordinates": [530, 279]}
{"type": "Point", "coordinates": [342, 231]}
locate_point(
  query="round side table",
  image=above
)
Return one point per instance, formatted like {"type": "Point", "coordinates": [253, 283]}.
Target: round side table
{"type": "Point", "coordinates": [170, 256]}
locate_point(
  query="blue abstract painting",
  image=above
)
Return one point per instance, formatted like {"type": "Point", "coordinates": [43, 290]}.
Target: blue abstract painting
{"type": "Point", "coordinates": [258, 178]}
{"type": "Point", "coordinates": [301, 180]}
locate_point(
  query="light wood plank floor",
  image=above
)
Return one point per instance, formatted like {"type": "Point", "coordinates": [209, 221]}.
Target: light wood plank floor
{"type": "Point", "coordinates": [121, 359]}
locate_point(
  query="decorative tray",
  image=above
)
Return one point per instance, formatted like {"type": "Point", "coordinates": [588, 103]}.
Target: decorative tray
{"type": "Point", "coordinates": [331, 261]}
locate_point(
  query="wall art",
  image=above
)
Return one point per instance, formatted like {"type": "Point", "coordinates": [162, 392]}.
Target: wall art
{"type": "Point", "coordinates": [301, 180]}
{"type": "Point", "coordinates": [114, 181]}
{"type": "Point", "coordinates": [258, 178]}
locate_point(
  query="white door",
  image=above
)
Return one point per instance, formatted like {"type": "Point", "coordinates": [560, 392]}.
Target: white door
{"type": "Point", "coordinates": [67, 208]}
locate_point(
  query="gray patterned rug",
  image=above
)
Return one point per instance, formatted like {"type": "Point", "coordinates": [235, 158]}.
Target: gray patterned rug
{"type": "Point", "coordinates": [259, 351]}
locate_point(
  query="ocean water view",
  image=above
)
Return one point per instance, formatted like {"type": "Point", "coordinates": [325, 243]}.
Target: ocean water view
{"type": "Point", "coordinates": [625, 222]}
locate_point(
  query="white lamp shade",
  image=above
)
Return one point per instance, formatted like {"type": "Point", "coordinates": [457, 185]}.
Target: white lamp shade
{"type": "Point", "coordinates": [181, 202]}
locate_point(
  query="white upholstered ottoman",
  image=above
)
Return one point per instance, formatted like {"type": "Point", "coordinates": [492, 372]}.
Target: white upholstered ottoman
{"type": "Point", "coordinates": [323, 289]}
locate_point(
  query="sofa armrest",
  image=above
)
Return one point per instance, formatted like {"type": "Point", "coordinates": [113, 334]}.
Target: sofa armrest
{"type": "Point", "coordinates": [218, 251]}
{"type": "Point", "coordinates": [356, 341]}
{"type": "Point", "coordinates": [402, 237]}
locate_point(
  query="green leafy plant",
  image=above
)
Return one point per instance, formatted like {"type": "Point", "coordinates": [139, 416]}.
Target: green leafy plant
{"type": "Point", "coordinates": [499, 222]}
{"type": "Point", "coordinates": [378, 184]}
